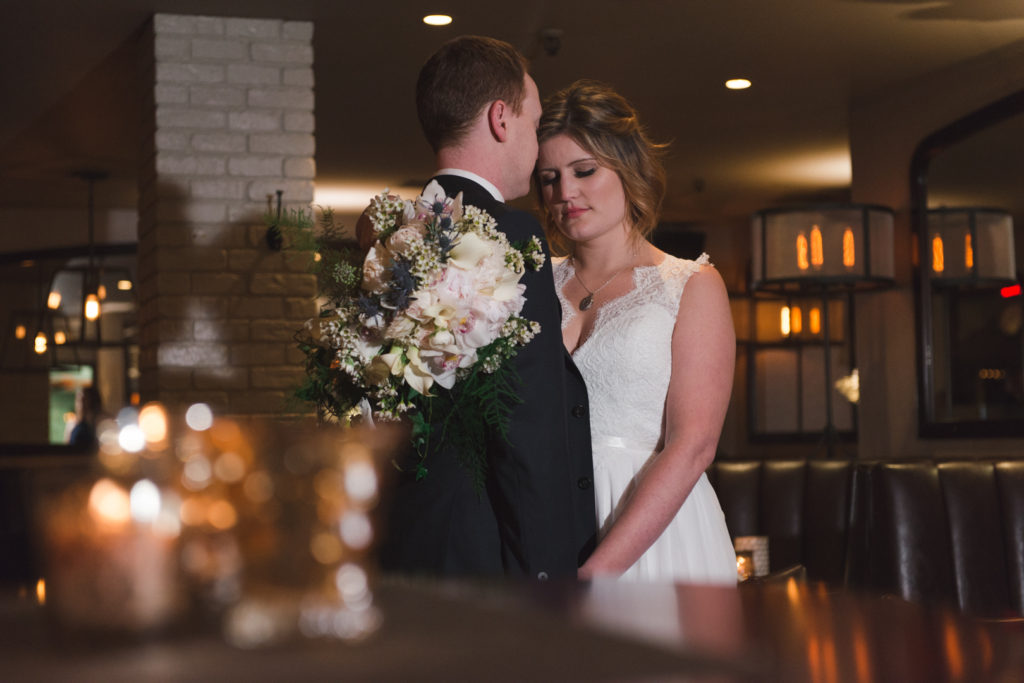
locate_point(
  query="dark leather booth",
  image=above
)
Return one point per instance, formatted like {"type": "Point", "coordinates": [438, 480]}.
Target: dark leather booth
{"type": "Point", "coordinates": [930, 532]}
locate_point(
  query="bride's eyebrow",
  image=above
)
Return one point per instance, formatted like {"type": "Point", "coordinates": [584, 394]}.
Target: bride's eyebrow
{"type": "Point", "coordinates": [551, 169]}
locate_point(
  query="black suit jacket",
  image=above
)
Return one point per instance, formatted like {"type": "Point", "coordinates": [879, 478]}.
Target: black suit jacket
{"type": "Point", "coordinates": [536, 515]}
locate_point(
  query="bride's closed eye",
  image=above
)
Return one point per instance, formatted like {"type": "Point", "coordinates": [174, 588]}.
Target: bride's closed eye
{"type": "Point", "coordinates": [552, 178]}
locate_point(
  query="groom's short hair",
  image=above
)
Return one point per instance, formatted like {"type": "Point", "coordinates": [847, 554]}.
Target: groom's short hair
{"type": "Point", "coordinates": [466, 74]}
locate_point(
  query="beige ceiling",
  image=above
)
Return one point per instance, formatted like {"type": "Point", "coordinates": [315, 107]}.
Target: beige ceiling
{"type": "Point", "coordinates": [69, 104]}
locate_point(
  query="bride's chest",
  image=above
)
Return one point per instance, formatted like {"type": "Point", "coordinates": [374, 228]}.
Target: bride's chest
{"type": "Point", "coordinates": [629, 337]}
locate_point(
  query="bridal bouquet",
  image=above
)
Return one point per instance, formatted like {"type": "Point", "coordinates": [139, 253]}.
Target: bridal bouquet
{"type": "Point", "coordinates": [426, 329]}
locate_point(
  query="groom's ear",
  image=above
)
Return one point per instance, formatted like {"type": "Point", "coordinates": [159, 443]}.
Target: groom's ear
{"type": "Point", "coordinates": [497, 119]}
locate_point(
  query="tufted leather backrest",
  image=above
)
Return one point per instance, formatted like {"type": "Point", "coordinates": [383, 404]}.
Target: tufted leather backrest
{"type": "Point", "coordinates": [974, 517]}
{"type": "Point", "coordinates": [1010, 483]}
{"type": "Point", "coordinates": [802, 507]}
{"type": "Point", "coordinates": [935, 533]}
{"type": "Point", "coordinates": [910, 553]}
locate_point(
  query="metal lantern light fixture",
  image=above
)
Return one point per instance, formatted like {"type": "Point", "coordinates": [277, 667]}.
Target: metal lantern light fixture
{"type": "Point", "coordinates": [970, 246]}
{"type": "Point", "coordinates": [822, 245]}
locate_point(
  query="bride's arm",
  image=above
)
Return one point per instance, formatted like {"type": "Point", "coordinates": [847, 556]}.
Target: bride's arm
{"type": "Point", "coordinates": [703, 360]}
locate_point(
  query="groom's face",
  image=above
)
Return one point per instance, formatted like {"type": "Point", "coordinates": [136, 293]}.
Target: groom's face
{"type": "Point", "coordinates": [524, 141]}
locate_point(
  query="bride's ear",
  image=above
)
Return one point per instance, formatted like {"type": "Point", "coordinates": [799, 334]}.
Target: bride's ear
{"type": "Point", "coordinates": [497, 120]}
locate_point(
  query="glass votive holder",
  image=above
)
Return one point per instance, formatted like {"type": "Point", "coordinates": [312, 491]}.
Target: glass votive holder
{"type": "Point", "coordinates": [307, 529]}
{"type": "Point", "coordinates": [744, 565]}
{"type": "Point", "coordinates": [757, 546]}
{"type": "Point", "coordinates": [110, 555]}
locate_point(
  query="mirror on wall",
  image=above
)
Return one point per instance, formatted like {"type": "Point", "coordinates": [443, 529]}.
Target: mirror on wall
{"type": "Point", "coordinates": [52, 344]}
{"type": "Point", "coordinates": [968, 213]}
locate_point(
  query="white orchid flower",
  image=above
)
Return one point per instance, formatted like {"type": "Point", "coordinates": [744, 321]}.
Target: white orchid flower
{"type": "Point", "coordinates": [432, 194]}
{"type": "Point", "coordinates": [443, 338]}
{"type": "Point", "coordinates": [439, 313]}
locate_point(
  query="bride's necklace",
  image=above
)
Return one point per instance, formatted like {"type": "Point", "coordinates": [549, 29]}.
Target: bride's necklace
{"type": "Point", "coordinates": [588, 301]}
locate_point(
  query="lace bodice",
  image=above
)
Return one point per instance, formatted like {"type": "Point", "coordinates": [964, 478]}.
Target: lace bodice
{"type": "Point", "coordinates": [627, 359]}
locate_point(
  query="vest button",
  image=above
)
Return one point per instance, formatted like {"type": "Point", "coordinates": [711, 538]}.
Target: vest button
{"type": "Point", "coordinates": [579, 410]}
{"type": "Point", "coordinates": [584, 483]}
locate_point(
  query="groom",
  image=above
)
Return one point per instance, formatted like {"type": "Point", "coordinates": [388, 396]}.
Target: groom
{"type": "Point", "coordinates": [535, 518]}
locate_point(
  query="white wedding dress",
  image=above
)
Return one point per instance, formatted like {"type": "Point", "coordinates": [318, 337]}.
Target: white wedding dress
{"type": "Point", "coordinates": [626, 363]}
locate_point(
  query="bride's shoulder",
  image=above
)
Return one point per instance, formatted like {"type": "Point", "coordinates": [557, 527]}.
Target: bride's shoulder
{"type": "Point", "coordinates": [560, 264]}
{"type": "Point", "coordinates": [675, 268]}
{"type": "Point", "coordinates": [676, 272]}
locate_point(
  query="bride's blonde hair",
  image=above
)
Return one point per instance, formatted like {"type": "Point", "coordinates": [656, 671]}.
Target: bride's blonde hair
{"type": "Point", "coordinates": [603, 123]}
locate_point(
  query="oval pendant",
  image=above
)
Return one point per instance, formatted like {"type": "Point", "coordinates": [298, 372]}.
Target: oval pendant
{"type": "Point", "coordinates": [586, 302]}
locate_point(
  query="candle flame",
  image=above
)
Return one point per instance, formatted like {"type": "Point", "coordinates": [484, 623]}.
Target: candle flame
{"type": "Point", "coordinates": [153, 422]}
{"type": "Point", "coordinates": [109, 503]}
{"type": "Point", "coordinates": [784, 321]}
{"type": "Point", "coordinates": [801, 252]}
{"type": "Point", "coordinates": [796, 320]}
{"type": "Point", "coordinates": [41, 591]}
{"type": "Point", "coordinates": [968, 252]}
{"type": "Point", "coordinates": [815, 320]}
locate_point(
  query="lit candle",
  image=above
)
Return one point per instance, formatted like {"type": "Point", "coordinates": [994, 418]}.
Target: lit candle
{"type": "Point", "coordinates": [111, 562]}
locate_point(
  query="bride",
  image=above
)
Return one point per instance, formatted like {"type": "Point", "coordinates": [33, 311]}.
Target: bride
{"type": "Point", "coordinates": [652, 335]}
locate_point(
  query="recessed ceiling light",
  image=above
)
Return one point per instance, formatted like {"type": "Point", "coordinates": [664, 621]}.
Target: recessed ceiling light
{"type": "Point", "coordinates": [437, 19]}
{"type": "Point", "coordinates": [737, 84]}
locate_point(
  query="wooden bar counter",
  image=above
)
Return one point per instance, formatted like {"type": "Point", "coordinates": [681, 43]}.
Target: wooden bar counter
{"type": "Point", "coordinates": [603, 631]}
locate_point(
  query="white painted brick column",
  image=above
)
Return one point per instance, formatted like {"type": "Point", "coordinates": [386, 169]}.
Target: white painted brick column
{"type": "Point", "coordinates": [230, 123]}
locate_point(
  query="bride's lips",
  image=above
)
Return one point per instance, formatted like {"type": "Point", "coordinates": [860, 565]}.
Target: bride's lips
{"type": "Point", "coordinates": [574, 212]}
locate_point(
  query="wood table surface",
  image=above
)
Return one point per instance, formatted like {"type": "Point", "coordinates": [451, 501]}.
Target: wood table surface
{"type": "Point", "coordinates": [504, 631]}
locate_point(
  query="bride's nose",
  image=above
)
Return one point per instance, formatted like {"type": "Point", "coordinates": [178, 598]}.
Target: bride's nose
{"type": "Point", "coordinates": [566, 188]}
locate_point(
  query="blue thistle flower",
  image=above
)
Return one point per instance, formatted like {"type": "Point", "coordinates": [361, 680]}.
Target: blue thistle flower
{"type": "Point", "coordinates": [403, 284]}
{"type": "Point", "coordinates": [368, 306]}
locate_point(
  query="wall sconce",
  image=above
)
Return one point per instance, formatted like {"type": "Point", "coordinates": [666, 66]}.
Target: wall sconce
{"type": "Point", "coordinates": [828, 244]}
{"type": "Point", "coordinates": [971, 246]}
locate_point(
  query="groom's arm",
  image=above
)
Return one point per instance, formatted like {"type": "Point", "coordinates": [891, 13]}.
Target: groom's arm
{"type": "Point", "coordinates": [530, 472]}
